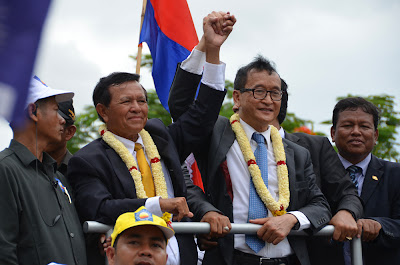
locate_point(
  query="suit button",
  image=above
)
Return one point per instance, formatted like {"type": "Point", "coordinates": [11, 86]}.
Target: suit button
{"type": "Point", "coordinates": [71, 234]}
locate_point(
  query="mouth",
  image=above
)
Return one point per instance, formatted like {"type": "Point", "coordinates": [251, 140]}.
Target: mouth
{"type": "Point", "coordinates": [144, 263]}
{"type": "Point", "coordinates": [355, 142]}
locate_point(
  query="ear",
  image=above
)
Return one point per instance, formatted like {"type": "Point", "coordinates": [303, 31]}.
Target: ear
{"type": "Point", "coordinates": [32, 112]}
{"type": "Point", "coordinates": [333, 134]}
{"type": "Point", "coordinates": [376, 135]}
{"type": "Point", "coordinates": [236, 97]}
{"type": "Point", "coordinates": [102, 111]}
{"type": "Point", "coordinates": [110, 252]}
{"type": "Point", "coordinates": [70, 132]}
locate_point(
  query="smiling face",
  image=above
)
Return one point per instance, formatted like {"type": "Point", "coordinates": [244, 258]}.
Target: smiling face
{"type": "Point", "coordinates": [259, 114]}
{"type": "Point", "coordinates": [354, 135]}
{"type": "Point", "coordinates": [126, 114]}
{"type": "Point", "coordinates": [140, 245]}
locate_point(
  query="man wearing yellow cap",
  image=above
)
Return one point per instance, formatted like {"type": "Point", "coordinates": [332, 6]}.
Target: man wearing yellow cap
{"type": "Point", "coordinates": [139, 237]}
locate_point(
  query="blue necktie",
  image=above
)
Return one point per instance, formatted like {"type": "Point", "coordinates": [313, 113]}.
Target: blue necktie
{"type": "Point", "coordinates": [257, 208]}
{"type": "Point", "coordinates": [353, 171]}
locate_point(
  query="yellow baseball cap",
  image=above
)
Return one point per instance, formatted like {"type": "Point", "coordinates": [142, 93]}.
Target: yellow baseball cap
{"type": "Point", "coordinates": [140, 217]}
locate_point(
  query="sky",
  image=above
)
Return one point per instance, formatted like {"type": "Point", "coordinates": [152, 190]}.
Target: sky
{"type": "Point", "coordinates": [323, 49]}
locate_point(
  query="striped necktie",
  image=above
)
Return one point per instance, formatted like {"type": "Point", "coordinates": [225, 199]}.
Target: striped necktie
{"type": "Point", "coordinates": [353, 172]}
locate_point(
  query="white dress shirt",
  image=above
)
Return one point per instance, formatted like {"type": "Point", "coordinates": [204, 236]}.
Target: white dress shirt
{"type": "Point", "coordinates": [240, 178]}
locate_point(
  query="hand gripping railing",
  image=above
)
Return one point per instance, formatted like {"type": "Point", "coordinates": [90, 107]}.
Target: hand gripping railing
{"type": "Point", "coordinates": [204, 228]}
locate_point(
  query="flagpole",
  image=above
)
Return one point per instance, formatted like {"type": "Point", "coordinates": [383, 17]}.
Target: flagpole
{"type": "Point", "coordinates": [139, 53]}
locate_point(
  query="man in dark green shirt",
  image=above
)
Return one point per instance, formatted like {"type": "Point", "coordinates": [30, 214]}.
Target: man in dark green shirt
{"type": "Point", "coordinates": [38, 223]}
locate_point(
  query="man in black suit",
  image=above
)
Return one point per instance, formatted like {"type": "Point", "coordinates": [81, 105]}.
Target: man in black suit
{"type": "Point", "coordinates": [226, 177]}
{"type": "Point", "coordinates": [355, 132]}
{"type": "Point", "coordinates": [101, 173]}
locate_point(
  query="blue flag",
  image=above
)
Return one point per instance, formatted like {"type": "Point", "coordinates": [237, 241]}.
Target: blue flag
{"type": "Point", "coordinates": [169, 32]}
{"type": "Point", "coordinates": [21, 23]}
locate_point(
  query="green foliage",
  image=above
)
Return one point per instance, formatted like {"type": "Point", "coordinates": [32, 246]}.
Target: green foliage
{"type": "Point", "coordinates": [156, 110]}
{"type": "Point", "coordinates": [226, 108]}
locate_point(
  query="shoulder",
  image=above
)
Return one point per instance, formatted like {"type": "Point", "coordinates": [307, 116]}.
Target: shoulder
{"type": "Point", "coordinates": [294, 146]}
{"type": "Point", "coordinates": [93, 147]}
{"type": "Point", "coordinates": [387, 165]}
{"type": "Point", "coordinates": [312, 138]}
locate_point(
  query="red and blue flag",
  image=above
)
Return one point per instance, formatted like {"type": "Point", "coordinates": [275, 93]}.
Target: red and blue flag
{"type": "Point", "coordinates": [169, 32]}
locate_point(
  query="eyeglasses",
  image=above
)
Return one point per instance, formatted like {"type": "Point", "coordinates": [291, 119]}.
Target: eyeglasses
{"type": "Point", "coordinates": [260, 93]}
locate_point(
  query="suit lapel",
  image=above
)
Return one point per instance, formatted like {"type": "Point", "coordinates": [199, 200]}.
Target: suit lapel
{"type": "Point", "coordinates": [372, 178]}
{"type": "Point", "coordinates": [292, 175]}
{"type": "Point", "coordinates": [122, 173]}
{"type": "Point", "coordinates": [222, 140]}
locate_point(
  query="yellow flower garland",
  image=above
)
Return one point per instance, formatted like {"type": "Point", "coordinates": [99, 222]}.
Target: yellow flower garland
{"type": "Point", "coordinates": [151, 152]}
{"type": "Point", "coordinates": [276, 207]}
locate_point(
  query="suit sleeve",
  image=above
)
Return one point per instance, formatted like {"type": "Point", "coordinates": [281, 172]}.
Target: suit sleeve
{"type": "Point", "coordinates": [314, 205]}
{"type": "Point", "coordinates": [389, 236]}
{"type": "Point", "coordinates": [93, 198]}
{"type": "Point", "coordinates": [182, 92]}
{"type": "Point", "coordinates": [336, 184]}
{"type": "Point", "coordinates": [192, 130]}
{"type": "Point", "coordinates": [196, 199]}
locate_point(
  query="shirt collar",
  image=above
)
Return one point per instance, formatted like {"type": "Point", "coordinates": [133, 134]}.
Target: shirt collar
{"type": "Point", "coordinates": [282, 132]}
{"type": "Point", "coordinates": [27, 158]}
{"type": "Point", "coordinates": [363, 164]}
{"type": "Point", "coordinates": [250, 130]}
{"type": "Point", "coordinates": [130, 145]}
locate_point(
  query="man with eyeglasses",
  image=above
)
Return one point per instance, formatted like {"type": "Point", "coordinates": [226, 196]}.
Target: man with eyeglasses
{"type": "Point", "coordinates": [228, 168]}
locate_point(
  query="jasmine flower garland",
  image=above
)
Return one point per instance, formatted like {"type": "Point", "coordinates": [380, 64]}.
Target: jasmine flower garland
{"type": "Point", "coordinates": [276, 207]}
{"type": "Point", "coordinates": [151, 152]}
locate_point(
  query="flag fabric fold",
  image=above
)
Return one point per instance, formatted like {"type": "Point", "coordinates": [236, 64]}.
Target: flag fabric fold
{"type": "Point", "coordinates": [169, 32]}
{"type": "Point", "coordinates": [21, 24]}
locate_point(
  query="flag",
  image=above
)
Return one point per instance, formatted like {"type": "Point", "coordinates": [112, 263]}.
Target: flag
{"type": "Point", "coordinates": [21, 24]}
{"type": "Point", "coordinates": [169, 32]}
{"type": "Point", "coordinates": [194, 171]}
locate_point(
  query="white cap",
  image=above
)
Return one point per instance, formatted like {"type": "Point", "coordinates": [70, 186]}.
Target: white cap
{"type": "Point", "coordinates": [39, 90]}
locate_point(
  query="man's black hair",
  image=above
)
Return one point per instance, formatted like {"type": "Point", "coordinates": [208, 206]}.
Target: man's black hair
{"type": "Point", "coordinates": [101, 93]}
{"type": "Point", "coordinates": [260, 63]}
{"type": "Point", "coordinates": [353, 103]}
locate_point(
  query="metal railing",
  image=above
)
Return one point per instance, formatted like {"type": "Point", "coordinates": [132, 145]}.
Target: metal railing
{"type": "Point", "coordinates": [204, 228]}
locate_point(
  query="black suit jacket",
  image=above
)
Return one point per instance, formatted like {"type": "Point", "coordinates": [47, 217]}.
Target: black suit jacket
{"type": "Point", "coordinates": [305, 196]}
{"type": "Point", "coordinates": [338, 189]}
{"type": "Point", "coordinates": [382, 203]}
{"type": "Point", "coordinates": [103, 186]}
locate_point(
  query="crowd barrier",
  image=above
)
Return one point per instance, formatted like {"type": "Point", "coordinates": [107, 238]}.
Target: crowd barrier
{"type": "Point", "coordinates": [204, 228]}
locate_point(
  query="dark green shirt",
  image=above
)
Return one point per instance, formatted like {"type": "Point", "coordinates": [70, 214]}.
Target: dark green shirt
{"type": "Point", "coordinates": [38, 224]}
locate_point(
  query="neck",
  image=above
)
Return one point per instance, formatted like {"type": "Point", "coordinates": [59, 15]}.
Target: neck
{"type": "Point", "coordinates": [31, 140]}
{"type": "Point", "coordinates": [58, 154]}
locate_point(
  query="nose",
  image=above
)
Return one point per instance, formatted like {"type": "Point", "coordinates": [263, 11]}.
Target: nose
{"type": "Point", "coordinates": [135, 106]}
{"type": "Point", "coordinates": [356, 130]}
{"type": "Point", "coordinates": [61, 119]}
{"type": "Point", "coordinates": [145, 250]}
{"type": "Point", "coordinates": [268, 99]}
